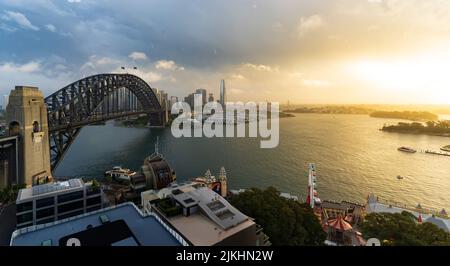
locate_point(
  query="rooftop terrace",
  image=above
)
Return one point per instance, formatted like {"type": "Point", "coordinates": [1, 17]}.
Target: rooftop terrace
{"type": "Point", "coordinates": [118, 225]}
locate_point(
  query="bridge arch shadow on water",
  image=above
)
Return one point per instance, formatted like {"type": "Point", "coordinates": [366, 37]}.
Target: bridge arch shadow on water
{"type": "Point", "coordinates": [93, 100]}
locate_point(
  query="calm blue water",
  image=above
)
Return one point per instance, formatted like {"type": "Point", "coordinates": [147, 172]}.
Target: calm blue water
{"type": "Point", "coordinates": [353, 158]}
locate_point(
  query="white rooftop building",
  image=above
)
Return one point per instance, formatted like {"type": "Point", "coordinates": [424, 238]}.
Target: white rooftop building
{"type": "Point", "coordinates": [204, 218]}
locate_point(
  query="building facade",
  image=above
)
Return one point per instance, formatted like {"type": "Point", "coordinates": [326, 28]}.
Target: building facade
{"type": "Point", "coordinates": [211, 97]}
{"type": "Point", "coordinates": [190, 100]}
{"type": "Point", "coordinates": [56, 201]}
{"type": "Point", "coordinates": [223, 95]}
{"type": "Point", "coordinates": [156, 171]}
{"type": "Point", "coordinates": [203, 93]}
{"type": "Point", "coordinates": [218, 185]}
{"type": "Point", "coordinates": [173, 100]}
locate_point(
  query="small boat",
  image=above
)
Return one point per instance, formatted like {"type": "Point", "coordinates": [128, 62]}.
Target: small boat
{"type": "Point", "coordinates": [399, 177]}
{"type": "Point", "coordinates": [407, 149]}
{"type": "Point", "coordinates": [120, 174]}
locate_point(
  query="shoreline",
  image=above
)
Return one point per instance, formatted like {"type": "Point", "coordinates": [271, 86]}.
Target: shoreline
{"type": "Point", "coordinates": [445, 135]}
{"type": "Point", "coordinates": [140, 125]}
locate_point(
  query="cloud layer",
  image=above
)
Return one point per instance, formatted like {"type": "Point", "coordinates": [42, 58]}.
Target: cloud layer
{"type": "Point", "coordinates": [267, 50]}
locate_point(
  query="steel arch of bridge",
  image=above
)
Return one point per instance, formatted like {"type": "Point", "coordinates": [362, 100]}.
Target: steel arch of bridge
{"type": "Point", "coordinates": [92, 100]}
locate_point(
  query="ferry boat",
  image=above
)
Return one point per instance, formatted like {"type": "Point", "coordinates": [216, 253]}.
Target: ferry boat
{"type": "Point", "coordinates": [120, 174]}
{"type": "Point", "coordinates": [407, 149]}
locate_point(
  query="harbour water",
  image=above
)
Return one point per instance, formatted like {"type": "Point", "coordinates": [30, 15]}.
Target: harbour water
{"type": "Point", "coordinates": [353, 158]}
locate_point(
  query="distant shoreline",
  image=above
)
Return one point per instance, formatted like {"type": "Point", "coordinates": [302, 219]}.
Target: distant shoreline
{"type": "Point", "coordinates": [446, 135]}
{"type": "Point", "coordinates": [404, 115]}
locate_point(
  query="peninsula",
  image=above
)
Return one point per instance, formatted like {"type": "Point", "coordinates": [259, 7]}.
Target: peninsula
{"type": "Point", "coordinates": [439, 128]}
{"type": "Point", "coordinates": [406, 115]}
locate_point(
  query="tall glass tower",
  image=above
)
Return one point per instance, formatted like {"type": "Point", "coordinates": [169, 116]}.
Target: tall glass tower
{"type": "Point", "coordinates": [223, 97]}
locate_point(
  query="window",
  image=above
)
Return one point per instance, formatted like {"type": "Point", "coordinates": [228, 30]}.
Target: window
{"type": "Point", "coordinates": [45, 202]}
{"type": "Point", "coordinates": [24, 225]}
{"type": "Point", "coordinates": [36, 127]}
{"type": "Point", "coordinates": [45, 212]}
{"type": "Point", "coordinates": [26, 217]}
{"type": "Point", "coordinates": [93, 201]}
{"type": "Point", "coordinates": [70, 196]}
{"type": "Point", "coordinates": [92, 191]}
{"type": "Point", "coordinates": [91, 209]}
{"type": "Point", "coordinates": [26, 206]}
{"type": "Point", "coordinates": [49, 220]}
{"type": "Point", "coordinates": [67, 215]}
{"type": "Point", "coordinates": [70, 206]}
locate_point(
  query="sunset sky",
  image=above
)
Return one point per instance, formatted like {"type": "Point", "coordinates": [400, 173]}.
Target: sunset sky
{"type": "Point", "coordinates": [317, 51]}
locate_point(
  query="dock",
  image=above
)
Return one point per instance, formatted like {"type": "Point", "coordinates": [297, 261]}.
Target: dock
{"type": "Point", "coordinates": [436, 153]}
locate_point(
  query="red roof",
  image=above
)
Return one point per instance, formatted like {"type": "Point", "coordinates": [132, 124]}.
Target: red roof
{"type": "Point", "coordinates": [339, 224]}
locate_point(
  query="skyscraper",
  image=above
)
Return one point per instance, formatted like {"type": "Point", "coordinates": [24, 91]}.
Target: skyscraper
{"type": "Point", "coordinates": [190, 100]}
{"type": "Point", "coordinates": [203, 93]}
{"type": "Point", "coordinates": [173, 100]}
{"type": "Point", "coordinates": [5, 100]}
{"type": "Point", "coordinates": [223, 97]}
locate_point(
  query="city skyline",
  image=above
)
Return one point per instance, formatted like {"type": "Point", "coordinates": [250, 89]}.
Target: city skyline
{"type": "Point", "coordinates": [309, 52]}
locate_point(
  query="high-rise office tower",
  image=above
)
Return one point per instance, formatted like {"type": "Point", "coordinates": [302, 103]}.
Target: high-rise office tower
{"type": "Point", "coordinates": [223, 97]}
{"type": "Point", "coordinates": [203, 93]}
{"type": "Point", "coordinates": [5, 100]}
{"type": "Point", "coordinates": [190, 100]}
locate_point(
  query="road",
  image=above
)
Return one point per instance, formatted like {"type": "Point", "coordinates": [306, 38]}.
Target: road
{"type": "Point", "coordinates": [7, 224]}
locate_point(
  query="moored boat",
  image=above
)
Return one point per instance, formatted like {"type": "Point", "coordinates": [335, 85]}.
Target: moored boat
{"type": "Point", "coordinates": [407, 149]}
{"type": "Point", "coordinates": [120, 174]}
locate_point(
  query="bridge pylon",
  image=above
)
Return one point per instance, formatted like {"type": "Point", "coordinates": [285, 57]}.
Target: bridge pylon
{"type": "Point", "coordinates": [26, 115]}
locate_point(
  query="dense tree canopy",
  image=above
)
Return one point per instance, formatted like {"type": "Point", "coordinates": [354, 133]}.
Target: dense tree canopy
{"type": "Point", "coordinates": [402, 229]}
{"type": "Point", "coordinates": [286, 222]}
{"type": "Point", "coordinates": [430, 127]}
{"type": "Point", "coordinates": [9, 194]}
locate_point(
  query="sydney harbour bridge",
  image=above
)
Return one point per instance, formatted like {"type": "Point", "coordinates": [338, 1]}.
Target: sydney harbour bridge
{"type": "Point", "coordinates": [90, 100]}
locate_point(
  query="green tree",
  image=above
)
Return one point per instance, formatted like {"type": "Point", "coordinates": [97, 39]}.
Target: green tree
{"type": "Point", "coordinates": [286, 222]}
{"type": "Point", "coordinates": [108, 178]}
{"type": "Point", "coordinates": [402, 229]}
{"type": "Point", "coordinates": [95, 184]}
{"type": "Point", "coordinates": [431, 124]}
{"type": "Point", "coordinates": [9, 193]}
